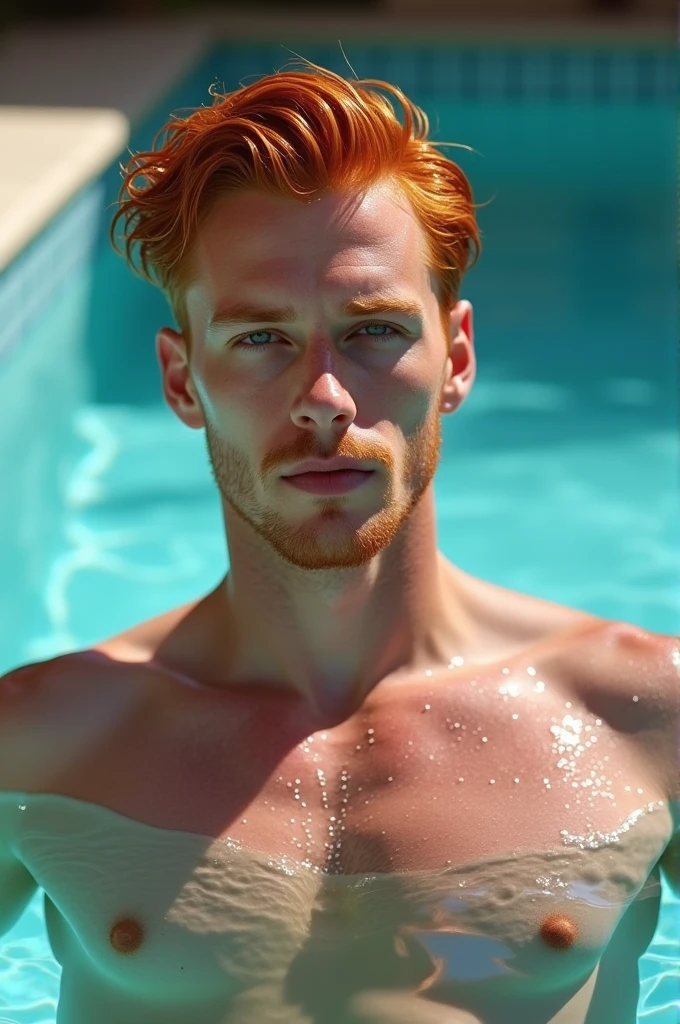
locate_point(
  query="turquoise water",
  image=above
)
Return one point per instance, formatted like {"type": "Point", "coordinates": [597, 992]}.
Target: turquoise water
{"type": "Point", "coordinates": [559, 477]}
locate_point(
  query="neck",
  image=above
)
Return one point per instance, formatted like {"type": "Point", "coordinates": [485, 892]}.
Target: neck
{"type": "Point", "coordinates": [331, 636]}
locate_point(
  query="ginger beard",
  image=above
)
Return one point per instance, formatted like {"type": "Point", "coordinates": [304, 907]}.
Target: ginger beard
{"type": "Point", "coordinates": [328, 537]}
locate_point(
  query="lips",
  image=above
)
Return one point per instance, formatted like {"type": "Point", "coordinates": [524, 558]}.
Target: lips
{"type": "Point", "coordinates": [336, 481]}
{"type": "Point", "coordinates": [326, 466]}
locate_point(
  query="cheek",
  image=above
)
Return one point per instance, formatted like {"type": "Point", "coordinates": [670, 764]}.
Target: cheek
{"type": "Point", "coordinates": [412, 401]}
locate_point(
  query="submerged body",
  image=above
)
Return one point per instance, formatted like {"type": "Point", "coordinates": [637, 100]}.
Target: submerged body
{"type": "Point", "coordinates": [480, 842]}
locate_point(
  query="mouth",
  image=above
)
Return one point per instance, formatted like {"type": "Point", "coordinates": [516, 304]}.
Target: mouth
{"type": "Point", "coordinates": [336, 481]}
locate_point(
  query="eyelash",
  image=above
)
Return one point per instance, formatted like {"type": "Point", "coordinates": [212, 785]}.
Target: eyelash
{"type": "Point", "coordinates": [239, 343]}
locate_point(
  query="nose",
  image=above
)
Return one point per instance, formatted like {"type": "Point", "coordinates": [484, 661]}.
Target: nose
{"type": "Point", "coordinates": [325, 405]}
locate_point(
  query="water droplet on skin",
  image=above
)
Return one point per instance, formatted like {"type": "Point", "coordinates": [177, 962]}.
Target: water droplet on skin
{"type": "Point", "coordinates": [568, 704]}
{"type": "Point", "coordinates": [461, 779]}
{"type": "Point", "coordinates": [491, 782]}
{"type": "Point", "coordinates": [390, 779]}
{"type": "Point", "coordinates": [515, 716]}
{"type": "Point", "coordinates": [428, 672]}
{"type": "Point", "coordinates": [371, 740]}
{"type": "Point", "coordinates": [531, 671]}
{"type": "Point", "coordinates": [290, 785]}
{"type": "Point", "coordinates": [484, 739]}
{"type": "Point", "coordinates": [516, 780]}
{"type": "Point", "coordinates": [370, 731]}
{"type": "Point", "coordinates": [427, 707]}
{"type": "Point", "coordinates": [506, 671]}
{"type": "Point", "coordinates": [636, 699]}
{"type": "Point", "coordinates": [243, 821]}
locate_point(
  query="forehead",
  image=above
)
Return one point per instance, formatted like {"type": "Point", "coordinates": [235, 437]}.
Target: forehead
{"type": "Point", "coordinates": [251, 238]}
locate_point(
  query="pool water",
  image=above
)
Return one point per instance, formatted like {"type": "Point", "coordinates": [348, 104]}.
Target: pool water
{"type": "Point", "coordinates": [559, 476]}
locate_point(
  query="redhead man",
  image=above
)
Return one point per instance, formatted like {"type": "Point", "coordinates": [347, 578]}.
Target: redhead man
{"type": "Point", "coordinates": [352, 784]}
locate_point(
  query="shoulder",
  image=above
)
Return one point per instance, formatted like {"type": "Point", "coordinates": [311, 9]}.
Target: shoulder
{"type": "Point", "coordinates": [48, 708]}
{"type": "Point", "coordinates": [630, 677]}
{"type": "Point", "coordinates": [630, 665]}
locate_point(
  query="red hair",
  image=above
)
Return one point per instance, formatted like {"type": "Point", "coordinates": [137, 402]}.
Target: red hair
{"type": "Point", "coordinates": [296, 135]}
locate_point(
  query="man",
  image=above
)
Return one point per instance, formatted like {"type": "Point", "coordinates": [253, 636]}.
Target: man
{"type": "Point", "coordinates": [353, 783]}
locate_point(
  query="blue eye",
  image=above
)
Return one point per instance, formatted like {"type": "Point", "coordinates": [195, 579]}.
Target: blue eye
{"type": "Point", "coordinates": [243, 343]}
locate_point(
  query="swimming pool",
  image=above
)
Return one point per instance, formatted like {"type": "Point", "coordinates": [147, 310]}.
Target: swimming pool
{"type": "Point", "coordinates": [559, 477]}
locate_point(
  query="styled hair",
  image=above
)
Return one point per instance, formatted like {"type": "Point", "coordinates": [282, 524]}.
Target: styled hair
{"type": "Point", "coordinates": [298, 135]}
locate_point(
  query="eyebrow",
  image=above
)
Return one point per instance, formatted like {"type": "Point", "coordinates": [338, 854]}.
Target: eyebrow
{"type": "Point", "coordinates": [246, 313]}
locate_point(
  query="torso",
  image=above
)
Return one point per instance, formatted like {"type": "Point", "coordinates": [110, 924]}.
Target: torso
{"type": "Point", "coordinates": [473, 838]}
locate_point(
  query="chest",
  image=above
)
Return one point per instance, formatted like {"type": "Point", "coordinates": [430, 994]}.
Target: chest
{"type": "Point", "coordinates": [431, 778]}
{"type": "Point", "coordinates": [168, 918]}
{"type": "Point", "coordinates": [493, 836]}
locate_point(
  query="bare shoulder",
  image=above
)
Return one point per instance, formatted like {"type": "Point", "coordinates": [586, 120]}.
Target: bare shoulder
{"type": "Point", "coordinates": [48, 707]}
{"type": "Point", "coordinates": [630, 677]}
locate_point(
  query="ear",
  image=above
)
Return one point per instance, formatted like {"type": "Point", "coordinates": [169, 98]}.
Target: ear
{"type": "Point", "coordinates": [179, 389]}
{"type": "Point", "coordinates": [461, 364]}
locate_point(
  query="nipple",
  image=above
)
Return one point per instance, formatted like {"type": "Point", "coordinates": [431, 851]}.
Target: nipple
{"type": "Point", "coordinates": [126, 935]}
{"type": "Point", "coordinates": [559, 931]}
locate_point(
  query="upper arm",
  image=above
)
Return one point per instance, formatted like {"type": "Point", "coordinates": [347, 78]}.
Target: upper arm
{"type": "Point", "coordinates": [44, 709]}
{"type": "Point", "coordinates": [636, 689]}
{"type": "Point", "coordinates": [669, 691]}
{"type": "Point", "coordinates": [669, 861]}
{"type": "Point", "coordinates": [17, 885]}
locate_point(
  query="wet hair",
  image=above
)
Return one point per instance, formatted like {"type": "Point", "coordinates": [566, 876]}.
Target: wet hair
{"type": "Point", "coordinates": [298, 135]}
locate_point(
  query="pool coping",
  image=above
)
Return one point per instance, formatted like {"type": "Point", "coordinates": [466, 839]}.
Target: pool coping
{"type": "Point", "coordinates": [80, 143]}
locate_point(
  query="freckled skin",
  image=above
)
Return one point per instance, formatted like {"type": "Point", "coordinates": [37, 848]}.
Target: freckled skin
{"type": "Point", "coordinates": [127, 935]}
{"type": "Point", "coordinates": [559, 931]}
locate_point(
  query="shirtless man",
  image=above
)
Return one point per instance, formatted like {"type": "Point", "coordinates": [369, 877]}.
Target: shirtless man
{"type": "Point", "coordinates": [353, 784]}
